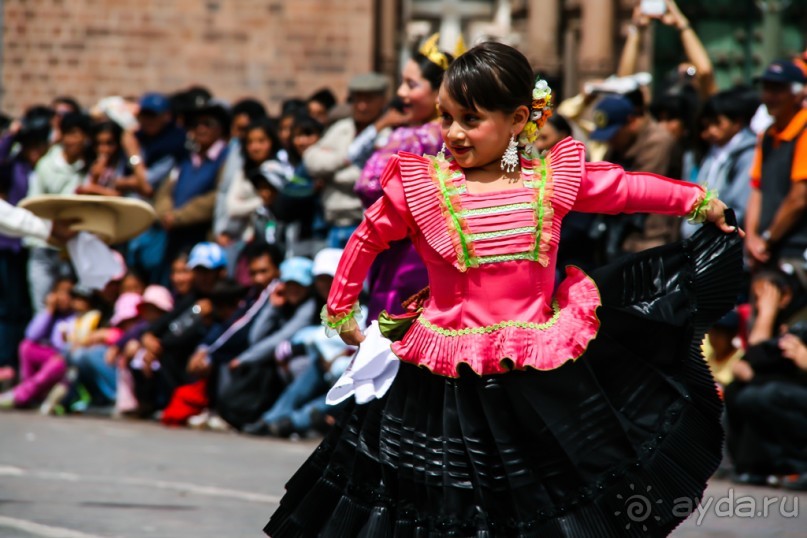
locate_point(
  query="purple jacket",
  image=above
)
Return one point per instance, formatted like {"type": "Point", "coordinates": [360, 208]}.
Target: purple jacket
{"type": "Point", "coordinates": [20, 171]}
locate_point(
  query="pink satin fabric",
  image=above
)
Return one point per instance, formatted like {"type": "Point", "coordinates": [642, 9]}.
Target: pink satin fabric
{"type": "Point", "coordinates": [518, 291]}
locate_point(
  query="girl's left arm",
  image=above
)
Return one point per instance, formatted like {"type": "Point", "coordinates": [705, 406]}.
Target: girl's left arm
{"type": "Point", "coordinates": [608, 188]}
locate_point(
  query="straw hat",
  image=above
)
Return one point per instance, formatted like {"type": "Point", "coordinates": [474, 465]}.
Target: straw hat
{"type": "Point", "coordinates": [112, 218]}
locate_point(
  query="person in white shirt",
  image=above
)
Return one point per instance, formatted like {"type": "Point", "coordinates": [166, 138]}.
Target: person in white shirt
{"type": "Point", "coordinates": [19, 222]}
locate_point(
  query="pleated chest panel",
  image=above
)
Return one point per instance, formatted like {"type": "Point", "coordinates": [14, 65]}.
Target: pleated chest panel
{"type": "Point", "coordinates": [471, 230]}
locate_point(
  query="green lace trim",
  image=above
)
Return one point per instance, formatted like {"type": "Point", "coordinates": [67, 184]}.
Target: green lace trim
{"type": "Point", "coordinates": [447, 192]}
{"type": "Point", "coordinates": [481, 260]}
{"type": "Point", "coordinates": [496, 326]}
{"type": "Point", "coordinates": [500, 233]}
{"type": "Point", "coordinates": [339, 324]}
{"type": "Point", "coordinates": [493, 210]}
{"type": "Point", "coordinates": [539, 227]}
{"type": "Point", "coordinates": [700, 211]}
{"type": "Point", "coordinates": [457, 216]}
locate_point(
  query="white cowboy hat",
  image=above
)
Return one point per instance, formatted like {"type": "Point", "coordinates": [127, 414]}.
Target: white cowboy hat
{"type": "Point", "coordinates": [114, 219]}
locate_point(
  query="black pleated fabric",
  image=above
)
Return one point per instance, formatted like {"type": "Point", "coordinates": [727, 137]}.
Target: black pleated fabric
{"type": "Point", "coordinates": [560, 453]}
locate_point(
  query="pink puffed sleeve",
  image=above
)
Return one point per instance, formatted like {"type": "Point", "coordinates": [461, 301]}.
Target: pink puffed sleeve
{"type": "Point", "coordinates": [385, 221]}
{"type": "Point", "coordinates": [608, 188]}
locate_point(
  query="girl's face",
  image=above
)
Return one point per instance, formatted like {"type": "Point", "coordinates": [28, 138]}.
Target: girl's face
{"type": "Point", "coordinates": [80, 305]}
{"type": "Point", "coordinates": [548, 136]}
{"type": "Point", "coordinates": [284, 130]}
{"type": "Point", "coordinates": [267, 193]}
{"type": "Point", "coordinates": [149, 312]}
{"type": "Point", "coordinates": [33, 152]}
{"type": "Point", "coordinates": [477, 138]}
{"type": "Point", "coordinates": [127, 324]}
{"type": "Point", "coordinates": [206, 131]}
{"type": "Point", "coordinates": [303, 141]}
{"type": "Point", "coordinates": [132, 284]}
{"type": "Point", "coordinates": [720, 131]}
{"type": "Point", "coordinates": [674, 126]}
{"type": "Point", "coordinates": [105, 145]}
{"type": "Point", "coordinates": [322, 285]}
{"type": "Point", "coordinates": [295, 293]}
{"type": "Point", "coordinates": [181, 276]}
{"type": "Point", "coordinates": [318, 111]}
{"type": "Point", "coordinates": [417, 94]}
{"type": "Point", "coordinates": [63, 298]}
{"type": "Point", "coordinates": [259, 146]}
{"type": "Point", "coordinates": [73, 144]}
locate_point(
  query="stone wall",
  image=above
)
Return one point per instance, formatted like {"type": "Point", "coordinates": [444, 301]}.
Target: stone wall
{"type": "Point", "coordinates": [269, 49]}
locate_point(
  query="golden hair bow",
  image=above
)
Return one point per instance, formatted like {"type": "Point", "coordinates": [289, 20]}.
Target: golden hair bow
{"type": "Point", "coordinates": [459, 48]}
{"type": "Point", "coordinates": [431, 51]}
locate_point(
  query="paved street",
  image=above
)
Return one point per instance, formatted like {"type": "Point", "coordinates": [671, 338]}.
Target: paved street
{"type": "Point", "coordinates": [93, 478]}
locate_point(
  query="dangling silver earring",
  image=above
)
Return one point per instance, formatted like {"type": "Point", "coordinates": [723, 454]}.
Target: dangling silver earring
{"type": "Point", "coordinates": [442, 152]}
{"type": "Point", "coordinates": [510, 157]}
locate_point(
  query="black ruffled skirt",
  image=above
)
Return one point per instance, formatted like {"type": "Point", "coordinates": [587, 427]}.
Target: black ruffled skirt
{"type": "Point", "coordinates": [618, 443]}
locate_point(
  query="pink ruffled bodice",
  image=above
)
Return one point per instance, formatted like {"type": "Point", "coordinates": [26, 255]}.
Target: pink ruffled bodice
{"type": "Point", "coordinates": [491, 257]}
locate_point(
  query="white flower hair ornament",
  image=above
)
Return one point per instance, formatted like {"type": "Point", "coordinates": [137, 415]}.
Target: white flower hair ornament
{"type": "Point", "coordinates": [539, 113]}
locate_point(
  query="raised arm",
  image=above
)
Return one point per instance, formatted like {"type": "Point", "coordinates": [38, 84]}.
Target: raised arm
{"type": "Point", "coordinates": [608, 188]}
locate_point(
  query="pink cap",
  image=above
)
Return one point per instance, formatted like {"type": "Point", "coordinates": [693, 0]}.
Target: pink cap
{"type": "Point", "coordinates": [126, 308]}
{"type": "Point", "coordinates": [158, 296]}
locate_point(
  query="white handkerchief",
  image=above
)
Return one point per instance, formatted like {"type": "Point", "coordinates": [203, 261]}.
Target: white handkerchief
{"type": "Point", "coordinates": [371, 371]}
{"type": "Point", "coordinates": [93, 261]}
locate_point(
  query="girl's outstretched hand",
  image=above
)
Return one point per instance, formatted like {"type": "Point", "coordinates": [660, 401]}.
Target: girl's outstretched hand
{"type": "Point", "coordinates": [352, 338]}
{"type": "Point", "coordinates": [717, 214]}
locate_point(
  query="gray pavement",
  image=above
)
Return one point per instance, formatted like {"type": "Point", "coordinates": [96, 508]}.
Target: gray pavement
{"type": "Point", "coordinates": [98, 478]}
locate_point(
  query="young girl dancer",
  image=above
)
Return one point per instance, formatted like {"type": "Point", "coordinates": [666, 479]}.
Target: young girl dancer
{"type": "Point", "coordinates": [520, 409]}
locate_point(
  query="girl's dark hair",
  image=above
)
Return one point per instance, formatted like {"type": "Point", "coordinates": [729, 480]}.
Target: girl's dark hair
{"type": "Point", "coordinates": [113, 129]}
{"type": "Point", "coordinates": [257, 248]}
{"type": "Point", "coordinates": [183, 254]}
{"type": "Point", "coordinates": [736, 104]}
{"type": "Point", "coordinates": [267, 126]}
{"type": "Point", "coordinates": [491, 76]}
{"type": "Point", "coordinates": [430, 70]}
{"type": "Point", "coordinates": [108, 127]}
{"type": "Point", "coordinates": [62, 278]}
{"type": "Point", "coordinates": [292, 106]}
{"type": "Point", "coordinates": [253, 108]}
{"type": "Point", "coordinates": [560, 124]}
{"type": "Point", "coordinates": [305, 124]}
{"type": "Point", "coordinates": [778, 278]}
{"type": "Point", "coordinates": [76, 120]}
{"type": "Point", "coordinates": [325, 97]}
{"type": "Point", "coordinates": [69, 101]}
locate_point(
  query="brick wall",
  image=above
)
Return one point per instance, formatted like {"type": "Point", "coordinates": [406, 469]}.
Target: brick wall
{"type": "Point", "coordinates": [269, 49]}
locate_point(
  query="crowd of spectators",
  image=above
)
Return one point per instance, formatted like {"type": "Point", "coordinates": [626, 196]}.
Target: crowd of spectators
{"type": "Point", "coordinates": [749, 144]}
{"type": "Point", "coordinates": [216, 320]}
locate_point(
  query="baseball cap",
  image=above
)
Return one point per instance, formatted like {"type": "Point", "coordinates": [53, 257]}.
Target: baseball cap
{"type": "Point", "coordinates": [208, 255]}
{"type": "Point", "coordinates": [297, 269]}
{"type": "Point", "coordinates": [158, 296]}
{"type": "Point", "coordinates": [154, 102]}
{"type": "Point", "coordinates": [126, 308]}
{"type": "Point", "coordinates": [368, 82]}
{"type": "Point", "coordinates": [782, 71]}
{"type": "Point", "coordinates": [326, 261]}
{"type": "Point", "coordinates": [272, 172]}
{"type": "Point", "coordinates": [610, 115]}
